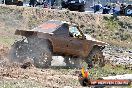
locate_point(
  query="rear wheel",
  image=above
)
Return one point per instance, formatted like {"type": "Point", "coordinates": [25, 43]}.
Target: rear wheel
{"type": "Point", "coordinates": [37, 51]}
{"type": "Point", "coordinates": [81, 8]}
{"type": "Point", "coordinates": [95, 58]}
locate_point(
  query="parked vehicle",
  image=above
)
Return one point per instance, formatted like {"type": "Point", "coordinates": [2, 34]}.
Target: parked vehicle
{"type": "Point", "coordinates": [13, 2]}
{"type": "Point", "coordinates": [72, 5]}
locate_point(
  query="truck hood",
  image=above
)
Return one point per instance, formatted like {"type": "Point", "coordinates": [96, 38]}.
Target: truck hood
{"type": "Point", "coordinates": [89, 37]}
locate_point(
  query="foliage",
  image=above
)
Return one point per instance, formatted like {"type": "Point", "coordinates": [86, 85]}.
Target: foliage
{"type": "Point", "coordinates": [111, 23]}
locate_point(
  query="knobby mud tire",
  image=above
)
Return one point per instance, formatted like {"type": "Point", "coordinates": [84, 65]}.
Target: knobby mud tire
{"type": "Point", "coordinates": [95, 58]}
{"type": "Point", "coordinates": [36, 50]}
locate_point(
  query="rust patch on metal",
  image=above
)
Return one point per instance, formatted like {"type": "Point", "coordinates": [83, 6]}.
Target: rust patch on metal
{"type": "Point", "coordinates": [48, 26]}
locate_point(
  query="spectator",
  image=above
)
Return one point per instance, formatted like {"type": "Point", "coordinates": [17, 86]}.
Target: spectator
{"type": "Point", "coordinates": [45, 4]}
{"type": "Point", "coordinates": [32, 3]}
{"type": "Point", "coordinates": [122, 9]}
{"type": "Point", "coordinates": [97, 7]}
{"type": "Point", "coordinates": [39, 2]}
{"type": "Point", "coordinates": [50, 3]}
{"type": "Point", "coordinates": [116, 9]}
{"type": "Point", "coordinates": [106, 9]}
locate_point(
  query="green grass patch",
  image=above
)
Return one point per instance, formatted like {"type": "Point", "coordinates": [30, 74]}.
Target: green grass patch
{"type": "Point", "coordinates": [109, 70]}
{"type": "Point", "coordinates": [111, 23]}
{"type": "Point", "coordinates": [7, 40]}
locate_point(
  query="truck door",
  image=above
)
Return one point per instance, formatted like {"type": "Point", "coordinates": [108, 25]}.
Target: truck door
{"type": "Point", "coordinates": [60, 40]}
{"type": "Point", "coordinates": [77, 45]}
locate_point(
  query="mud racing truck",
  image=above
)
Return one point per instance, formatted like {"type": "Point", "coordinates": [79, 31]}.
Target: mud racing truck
{"type": "Point", "coordinates": [57, 38]}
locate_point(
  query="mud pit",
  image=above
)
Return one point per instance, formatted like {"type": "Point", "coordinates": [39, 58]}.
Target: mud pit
{"type": "Point", "coordinates": [46, 77]}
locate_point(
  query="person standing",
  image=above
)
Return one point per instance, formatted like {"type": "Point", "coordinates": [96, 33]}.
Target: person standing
{"type": "Point", "coordinates": [106, 9]}
{"type": "Point", "coordinates": [117, 9]}
{"type": "Point", "coordinates": [122, 9]}
{"type": "Point", "coordinates": [50, 3]}
{"type": "Point", "coordinates": [32, 3]}
{"type": "Point", "coordinates": [97, 7]}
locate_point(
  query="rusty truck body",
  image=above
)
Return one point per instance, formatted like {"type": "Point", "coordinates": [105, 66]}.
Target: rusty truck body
{"type": "Point", "coordinates": [64, 39]}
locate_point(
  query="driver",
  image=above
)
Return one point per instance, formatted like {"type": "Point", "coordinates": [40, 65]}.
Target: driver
{"type": "Point", "coordinates": [74, 31]}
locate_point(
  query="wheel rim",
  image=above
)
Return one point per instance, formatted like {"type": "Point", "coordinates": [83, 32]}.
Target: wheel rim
{"type": "Point", "coordinates": [22, 51]}
{"type": "Point", "coordinates": [96, 59]}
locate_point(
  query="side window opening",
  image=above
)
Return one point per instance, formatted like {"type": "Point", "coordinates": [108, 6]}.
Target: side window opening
{"type": "Point", "coordinates": [74, 32]}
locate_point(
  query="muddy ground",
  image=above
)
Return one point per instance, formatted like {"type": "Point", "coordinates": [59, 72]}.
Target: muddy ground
{"type": "Point", "coordinates": [13, 76]}
{"type": "Point", "coordinates": [41, 77]}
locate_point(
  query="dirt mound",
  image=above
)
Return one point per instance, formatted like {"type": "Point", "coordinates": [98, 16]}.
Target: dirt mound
{"type": "Point", "coordinates": [57, 78]}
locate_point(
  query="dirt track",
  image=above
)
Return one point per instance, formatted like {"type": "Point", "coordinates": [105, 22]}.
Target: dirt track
{"type": "Point", "coordinates": [47, 77]}
{"type": "Point", "coordinates": [13, 74]}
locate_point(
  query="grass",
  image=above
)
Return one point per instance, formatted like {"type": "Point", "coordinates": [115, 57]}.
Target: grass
{"type": "Point", "coordinates": [111, 23]}
{"type": "Point", "coordinates": [119, 43]}
{"type": "Point", "coordinates": [109, 70]}
{"type": "Point", "coordinates": [114, 31]}
{"type": "Point", "coordinates": [6, 40]}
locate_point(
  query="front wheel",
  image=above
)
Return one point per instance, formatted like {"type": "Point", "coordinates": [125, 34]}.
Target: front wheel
{"type": "Point", "coordinates": [37, 50]}
{"type": "Point", "coordinates": [95, 58]}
